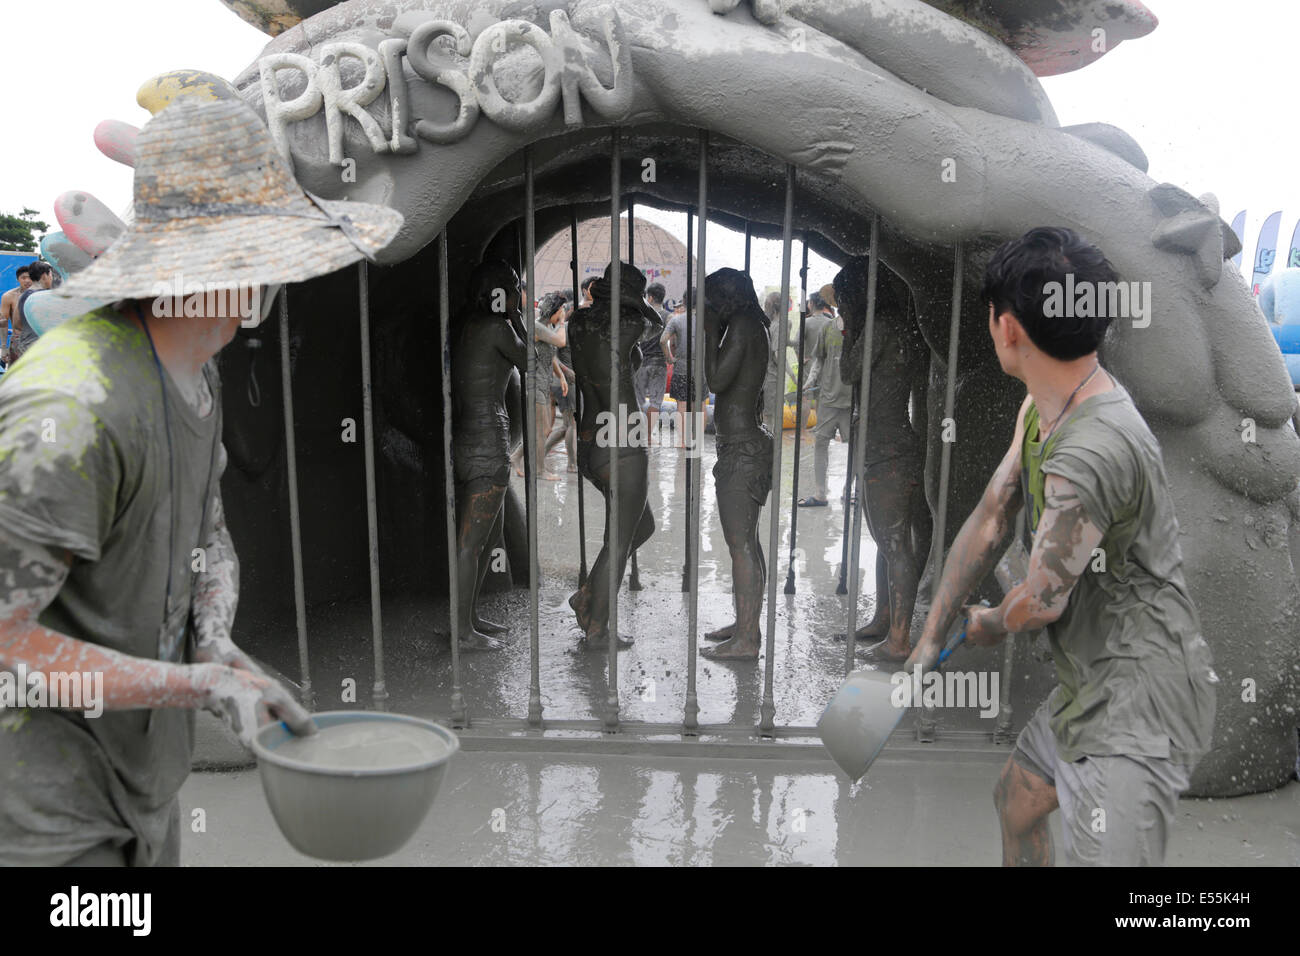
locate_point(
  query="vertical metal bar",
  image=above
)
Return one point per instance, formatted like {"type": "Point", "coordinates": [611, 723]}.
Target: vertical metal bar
{"type": "Point", "coordinates": [458, 715]}
{"type": "Point", "coordinates": [295, 518]}
{"type": "Point", "coordinates": [614, 552]}
{"type": "Point", "coordinates": [843, 586]}
{"type": "Point", "coordinates": [678, 367]}
{"type": "Point", "coordinates": [926, 724]}
{"type": "Point", "coordinates": [859, 453]}
{"type": "Point", "coordinates": [798, 413]}
{"type": "Point", "coordinates": [577, 400]}
{"type": "Point", "coordinates": [530, 253]}
{"type": "Point", "coordinates": [379, 694]}
{"type": "Point", "coordinates": [634, 577]}
{"type": "Point", "coordinates": [749, 237]}
{"type": "Point", "coordinates": [767, 723]}
{"type": "Point", "coordinates": [695, 361]}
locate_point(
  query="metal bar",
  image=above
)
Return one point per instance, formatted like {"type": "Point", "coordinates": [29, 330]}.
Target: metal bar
{"type": "Point", "coordinates": [767, 721]}
{"type": "Point", "coordinates": [613, 552]}
{"type": "Point", "coordinates": [798, 414]}
{"type": "Point", "coordinates": [749, 237]}
{"type": "Point", "coordinates": [690, 264]}
{"type": "Point", "coordinates": [379, 693]}
{"type": "Point", "coordinates": [577, 400]}
{"type": "Point", "coordinates": [859, 453]}
{"type": "Point", "coordinates": [459, 718]}
{"type": "Point", "coordinates": [530, 253]}
{"type": "Point", "coordinates": [691, 717]}
{"type": "Point", "coordinates": [307, 694]}
{"type": "Point", "coordinates": [634, 577]}
{"type": "Point", "coordinates": [843, 586]}
{"type": "Point", "coordinates": [925, 726]}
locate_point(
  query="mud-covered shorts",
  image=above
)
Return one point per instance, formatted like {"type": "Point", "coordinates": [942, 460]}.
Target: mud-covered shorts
{"type": "Point", "coordinates": [745, 465]}
{"type": "Point", "coordinates": [482, 455]}
{"type": "Point", "coordinates": [1115, 810]}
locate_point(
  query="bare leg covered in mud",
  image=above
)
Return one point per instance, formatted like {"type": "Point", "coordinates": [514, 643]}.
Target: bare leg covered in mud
{"type": "Point", "coordinates": [742, 639]}
{"type": "Point", "coordinates": [1025, 801]}
{"type": "Point", "coordinates": [890, 493]}
{"type": "Point", "coordinates": [480, 506]}
{"type": "Point", "coordinates": [636, 524]}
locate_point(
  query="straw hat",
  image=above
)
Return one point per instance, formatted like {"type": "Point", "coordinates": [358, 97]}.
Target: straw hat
{"type": "Point", "coordinates": [216, 205]}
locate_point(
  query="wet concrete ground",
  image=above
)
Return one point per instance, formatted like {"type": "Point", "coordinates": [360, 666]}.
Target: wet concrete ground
{"type": "Point", "coordinates": [934, 809]}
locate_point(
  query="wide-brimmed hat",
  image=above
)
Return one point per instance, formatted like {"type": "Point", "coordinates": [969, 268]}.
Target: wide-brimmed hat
{"type": "Point", "coordinates": [632, 284]}
{"type": "Point", "coordinates": [217, 206]}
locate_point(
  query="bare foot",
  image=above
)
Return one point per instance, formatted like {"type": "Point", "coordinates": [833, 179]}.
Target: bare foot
{"type": "Point", "coordinates": [736, 649]}
{"type": "Point", "coordinates": [600, 641]}
{"type": "Point", "coordinates": [721, 634]}
{"type": "Point", "coordinates": [549, 476]}
{"type": "Point", "coordinates": [573, 469]}
{"type": "Point", "coordinates": [876, 629]}
{"type": "Point", "coordinates": [474, 641]}
{"type": "Point", "coordinates": [580, 601]}
{"type": "Point", "coordinates": [489, 627]}
{"type": "Point", "coordinates": [882, 653]}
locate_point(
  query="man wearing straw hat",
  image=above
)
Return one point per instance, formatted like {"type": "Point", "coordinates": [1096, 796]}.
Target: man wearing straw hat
{"type": "Point", "coordinates": [116, 562]}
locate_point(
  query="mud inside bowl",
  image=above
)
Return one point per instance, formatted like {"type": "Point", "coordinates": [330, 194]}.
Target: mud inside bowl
{"type": "Point", "coordinates": [358, 789]}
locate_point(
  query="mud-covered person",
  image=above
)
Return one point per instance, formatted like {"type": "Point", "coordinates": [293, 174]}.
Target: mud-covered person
{"type": "Point", "coordinates": [24, 336]}
{"type": "Point", "coordinates": [605, 430]}
{"type": "Point", "coordinates": [110, 466]}
{"type": "Point", "coordinates": [1134, 707]}
{"type": "Point", "coordinates": [486, 347]}
{"type": "Point", "coordinates": [736, 348]}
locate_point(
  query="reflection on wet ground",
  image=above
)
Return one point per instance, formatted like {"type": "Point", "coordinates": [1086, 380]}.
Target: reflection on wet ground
{"type": "Point", "coordinates": [546, 809]}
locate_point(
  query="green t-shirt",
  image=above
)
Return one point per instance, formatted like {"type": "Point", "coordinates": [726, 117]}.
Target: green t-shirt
{"type": "Point", "coordinates": [84, 469]}
{"type": "Point", "coordinates": [1135, 672]}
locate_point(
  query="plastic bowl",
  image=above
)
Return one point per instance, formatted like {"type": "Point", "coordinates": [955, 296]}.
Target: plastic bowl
{"type": "Point", "coordinates": [334, 813]}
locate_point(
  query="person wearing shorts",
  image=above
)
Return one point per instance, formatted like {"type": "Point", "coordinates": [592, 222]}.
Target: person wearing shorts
{"type": "Point", "coordinates": [1115, 743]}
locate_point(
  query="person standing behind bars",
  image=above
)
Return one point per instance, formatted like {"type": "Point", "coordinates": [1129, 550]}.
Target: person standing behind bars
{"type": "Point", "coordinates": [605, 431]}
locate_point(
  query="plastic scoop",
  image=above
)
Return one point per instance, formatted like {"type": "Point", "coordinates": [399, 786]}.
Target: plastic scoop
{"type": "Point", "coordinates": [860, 717]}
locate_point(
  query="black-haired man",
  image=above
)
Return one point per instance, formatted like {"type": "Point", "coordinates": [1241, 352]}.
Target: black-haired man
{"type": "Point", "coordinates": [9, 309]}
{"type": "Point", "coordinates": [24, 336]}
{"type": "Point", "coordinates": [651, 378]}
{"type": "Point", "coordinates": [1116, 741]}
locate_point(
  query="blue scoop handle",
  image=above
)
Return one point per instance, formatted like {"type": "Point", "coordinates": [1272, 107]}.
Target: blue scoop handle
{"type": "Point", "coordinates": [951, 647]}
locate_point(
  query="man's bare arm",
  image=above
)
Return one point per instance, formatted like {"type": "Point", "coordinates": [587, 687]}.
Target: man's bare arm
{"type": "Point", "coordinates": [1063, 547]}
{"type": "Point", "coordinates": [722, 360]}
{"type": "Point", "coordinates": [31, 577]}
{"type": "Point", "coordinates": [216, 596]}
{"type": "Point", "coordinates": [975, 551]}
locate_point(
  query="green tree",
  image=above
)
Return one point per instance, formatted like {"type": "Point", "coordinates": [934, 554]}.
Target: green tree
{"type": "Point", "coordinates": [21, 233]}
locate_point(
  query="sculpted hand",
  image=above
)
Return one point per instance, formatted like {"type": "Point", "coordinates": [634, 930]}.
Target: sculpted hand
{"type": "Point", "coordinates": [247, 700]}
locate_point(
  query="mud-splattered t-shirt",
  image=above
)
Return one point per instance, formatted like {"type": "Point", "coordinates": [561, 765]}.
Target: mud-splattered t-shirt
{"type": "Point", "coordinates": [1134, 670]}
{"type": "Point", "coordinates": [84, 469]}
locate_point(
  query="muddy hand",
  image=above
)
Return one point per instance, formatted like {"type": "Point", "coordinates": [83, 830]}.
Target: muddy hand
{"type": "Point", "coordinates": [247, 700]}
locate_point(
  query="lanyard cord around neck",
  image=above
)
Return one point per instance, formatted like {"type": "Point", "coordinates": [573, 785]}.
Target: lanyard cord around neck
{"type": "Point", "coordinates": [171, 482]}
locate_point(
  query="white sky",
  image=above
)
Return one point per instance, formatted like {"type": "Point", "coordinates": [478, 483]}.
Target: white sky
{"type": "Point", "coordinates": [1208, 95]}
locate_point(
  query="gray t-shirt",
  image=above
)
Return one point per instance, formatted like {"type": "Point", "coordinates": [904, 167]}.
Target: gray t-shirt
{"type": "Point", "coordinates": [1135, 672]}
{"type": "Point", "coordinates": [100, 490]}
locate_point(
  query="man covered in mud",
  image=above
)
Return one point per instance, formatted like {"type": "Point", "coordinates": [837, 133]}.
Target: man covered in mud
{"type": "Point", "coordinates": [488, 344]}
{"type": "Point", "coordinates": [605, 431]}
{"type": "Point", "coordinates": [894, 458]}
{"type": "Point", "coordinates": [110, 467]}
{"type": "Point", "coordinates": [1134, 707]}
{"type": "Point", "coordinates": [735, 365]}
